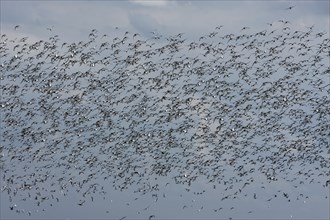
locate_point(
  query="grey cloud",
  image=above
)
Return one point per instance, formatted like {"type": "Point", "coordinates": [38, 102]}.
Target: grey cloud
{"type": "Point", "coordinates": [158, 3]}
{"type": "Point", "coordinates": [75, 19]}
{"type": "Point", "coordinates": [314, 7]}
{"type": "Point", "coordinates": [145, 24]}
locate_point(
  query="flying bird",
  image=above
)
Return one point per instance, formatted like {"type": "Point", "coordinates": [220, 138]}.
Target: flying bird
{"type": "Point", "coordinates": [126, 112]}
{"type": "Point", "coordinates": [290, 8]}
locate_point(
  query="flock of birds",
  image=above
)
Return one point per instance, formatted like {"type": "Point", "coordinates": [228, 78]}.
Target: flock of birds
{"type": "Point", "coordinates": [129, 110]}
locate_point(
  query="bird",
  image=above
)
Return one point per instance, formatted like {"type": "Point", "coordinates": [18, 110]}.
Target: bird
{"type": "Point", "coordinates": [290, 7]}
{"type": "Point", "coordinates": [50, 28]}
{"type": "Point", "coordinates": [245, 28]}
{"type": "Point", "coordinates": [131, 111]}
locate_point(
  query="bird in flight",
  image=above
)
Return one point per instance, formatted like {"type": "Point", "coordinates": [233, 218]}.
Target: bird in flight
{"type": "Point", "coordinates": [50, 28]}
{"type": "Point", "coordinates": [291, 7]}
{"type": "Point", "coordinates": [244, 28]}
{"type": "Point", "coordinates": [183, 113]}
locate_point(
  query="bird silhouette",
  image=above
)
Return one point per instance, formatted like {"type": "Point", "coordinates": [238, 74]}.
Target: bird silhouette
{"type": "Point", "coordinates": [129, 110]}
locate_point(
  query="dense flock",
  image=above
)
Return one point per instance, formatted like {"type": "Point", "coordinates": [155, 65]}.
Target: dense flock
{"type": "Point", "coordinates": [132, 111]}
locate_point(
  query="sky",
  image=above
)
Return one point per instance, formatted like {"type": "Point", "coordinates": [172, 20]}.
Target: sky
{"type": "Point", "coordinates": [73, 21]}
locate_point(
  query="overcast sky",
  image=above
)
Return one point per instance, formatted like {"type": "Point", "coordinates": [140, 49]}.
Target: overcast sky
{"type": "Point", "coordinates": [73, 20]}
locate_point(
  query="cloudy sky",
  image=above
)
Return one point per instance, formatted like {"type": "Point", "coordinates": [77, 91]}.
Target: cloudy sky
{"type": "Point", "coordinates": [73, 20]}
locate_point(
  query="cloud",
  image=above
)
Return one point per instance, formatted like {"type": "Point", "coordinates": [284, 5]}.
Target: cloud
{"type": "Point", "coordinates": [145, 23]}
{"type": "Point", "coordinates": [72, 21]}
{"type": "Point", "coordinates": [151, 3]}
